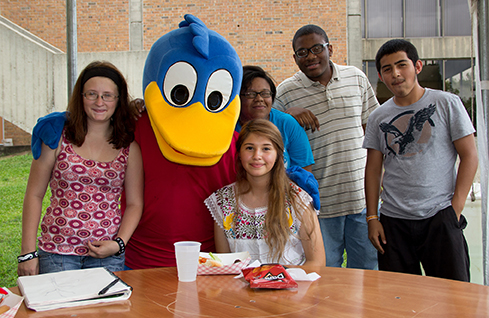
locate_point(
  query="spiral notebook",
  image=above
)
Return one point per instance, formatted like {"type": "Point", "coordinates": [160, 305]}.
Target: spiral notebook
{"type": "Point", "coordinates": [72, 288]}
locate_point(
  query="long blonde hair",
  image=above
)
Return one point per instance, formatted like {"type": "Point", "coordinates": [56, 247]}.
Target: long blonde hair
{"type": "Point", "coordinates": [277, 228]}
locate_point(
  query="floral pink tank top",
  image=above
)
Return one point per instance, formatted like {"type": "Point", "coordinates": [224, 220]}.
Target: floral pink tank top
{"type": "Point", "coordinates": [84, 202]}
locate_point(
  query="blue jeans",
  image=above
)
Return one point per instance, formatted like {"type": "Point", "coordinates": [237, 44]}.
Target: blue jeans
{"type": "Point", "coordinates": [348, 233]}
{"type": "Point", "coordinates": [50, 262]}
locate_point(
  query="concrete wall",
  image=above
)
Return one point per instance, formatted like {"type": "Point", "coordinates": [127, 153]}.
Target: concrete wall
{"type": "Point", "coordinates": [355, 52]}
{"type": "Point", "coordinates": [26, 75]}
{"type": "Point", "coordinates": [454, 47]}
{"type": "Point", "coordinates": [33, 74]}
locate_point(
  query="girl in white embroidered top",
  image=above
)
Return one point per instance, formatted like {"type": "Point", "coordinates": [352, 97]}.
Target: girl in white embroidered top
{"type": "Point", "coordinates": [263, 212]}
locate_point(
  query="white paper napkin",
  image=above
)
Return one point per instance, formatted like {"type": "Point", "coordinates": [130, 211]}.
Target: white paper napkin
{"type": "Point", "coordinates": [298, 274]}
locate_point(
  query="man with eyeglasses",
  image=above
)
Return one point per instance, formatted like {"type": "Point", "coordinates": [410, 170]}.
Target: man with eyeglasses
{"type": "Point", "coordinates": [333, 103]}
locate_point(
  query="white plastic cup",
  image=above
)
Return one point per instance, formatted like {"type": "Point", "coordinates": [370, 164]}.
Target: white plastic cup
{"type": "Point", "coordinates": [187, 255]}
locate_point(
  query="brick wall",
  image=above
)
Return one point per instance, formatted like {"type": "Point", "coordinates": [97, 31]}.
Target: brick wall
{"type": "Point", "coordinates": [19, 137]}
{"type": "Point", "coordinates": [260, 31]}
{"type": "Point", "coordinates": [102, 25]}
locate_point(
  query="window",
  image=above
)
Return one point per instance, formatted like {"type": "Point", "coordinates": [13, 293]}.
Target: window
{"type": "Point", "coordinates": [422, 18]}
{"type": "Point", "coordinates": [456, 18]}
{"type": "Point", "coordinates": [415, 18]}
{"type": "Point", "coordinates": [384, 18]}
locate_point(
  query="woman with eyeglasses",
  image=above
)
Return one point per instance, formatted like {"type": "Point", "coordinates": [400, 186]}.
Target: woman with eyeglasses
{"type": "Point", "coordinates": [95, 159]}
{"type": "Point", "coordinates": [257, 96]}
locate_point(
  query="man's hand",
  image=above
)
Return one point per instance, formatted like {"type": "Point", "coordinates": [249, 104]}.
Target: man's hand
{"type": "Point", "coordinates": [376, 230]}
{"type": "Point", "coordinates": [458, 208]}
{"type": "Point", "coordinates": [304, 117]}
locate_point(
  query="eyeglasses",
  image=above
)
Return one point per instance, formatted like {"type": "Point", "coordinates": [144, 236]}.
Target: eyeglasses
{"type": "Point", "coordinates": [105, 97]}
{"type": "Point", "coordinates": [316, 49]}
{"type": "Point", "coordinates": [252, 94]}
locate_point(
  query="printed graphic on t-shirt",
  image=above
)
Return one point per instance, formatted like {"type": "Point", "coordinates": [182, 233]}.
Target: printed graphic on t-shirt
{"type": "Point", "coordinates": [407, 131]}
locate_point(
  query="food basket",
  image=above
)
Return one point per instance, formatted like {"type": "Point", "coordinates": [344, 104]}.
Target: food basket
{"type": "Point", "coordinates": [233, 263]}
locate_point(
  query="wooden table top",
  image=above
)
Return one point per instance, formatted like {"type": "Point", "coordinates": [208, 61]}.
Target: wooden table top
{"type": "Point", "coordinates": [339, 292]}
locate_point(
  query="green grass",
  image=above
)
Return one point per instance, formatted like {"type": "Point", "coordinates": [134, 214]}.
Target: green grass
{"type": "Point", "coordinates": [14, 172]}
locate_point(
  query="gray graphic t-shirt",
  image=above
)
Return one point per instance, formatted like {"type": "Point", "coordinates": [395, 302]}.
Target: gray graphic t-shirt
{"type": "Point", "coordinates": [419, 155]}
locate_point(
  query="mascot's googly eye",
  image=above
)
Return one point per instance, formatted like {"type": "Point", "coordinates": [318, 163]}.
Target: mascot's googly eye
{"type": "Point", "coordinates": [218, 90]}
{"type": "Point", "coordinates": [179, 84]}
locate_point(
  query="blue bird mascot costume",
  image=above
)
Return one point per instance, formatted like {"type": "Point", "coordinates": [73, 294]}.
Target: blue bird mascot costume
{"type": "Point", "coordinates": [191, 84]}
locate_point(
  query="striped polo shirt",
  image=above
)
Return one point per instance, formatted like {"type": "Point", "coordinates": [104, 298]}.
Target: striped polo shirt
{"type": "Point", "coordinates": [342, 107]}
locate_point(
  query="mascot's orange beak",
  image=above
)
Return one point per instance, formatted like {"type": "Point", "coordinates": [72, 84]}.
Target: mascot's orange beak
{"type": "Point", "coordinates": [190, 135]}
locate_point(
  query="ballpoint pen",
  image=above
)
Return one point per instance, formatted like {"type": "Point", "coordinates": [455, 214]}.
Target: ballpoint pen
{"type": "Point", "coordinates": [106, 288]}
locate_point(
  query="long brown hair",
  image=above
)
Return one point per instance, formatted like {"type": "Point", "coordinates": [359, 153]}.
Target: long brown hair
{"type": "Point", "coordinates": [277, 229]}
{"type": "Point", "coordinates": [122, 121]}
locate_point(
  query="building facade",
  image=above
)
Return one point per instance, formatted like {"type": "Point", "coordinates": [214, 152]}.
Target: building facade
{"type": "Point", "coordinates": [261, 33]}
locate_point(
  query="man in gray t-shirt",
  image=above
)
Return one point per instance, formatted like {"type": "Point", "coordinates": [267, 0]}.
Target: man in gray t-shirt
{"type": "Point", "coordinates": [413, 141]}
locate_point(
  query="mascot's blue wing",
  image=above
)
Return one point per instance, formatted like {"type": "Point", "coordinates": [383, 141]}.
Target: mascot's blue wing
{"type": "Point", "coordinates": [48, 131]}
{"type": "Point", "coordinates": [306, 181]}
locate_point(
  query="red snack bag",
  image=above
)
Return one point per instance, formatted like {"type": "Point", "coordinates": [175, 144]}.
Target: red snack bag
{"type": "Point", "coordinates": [273, 276]}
